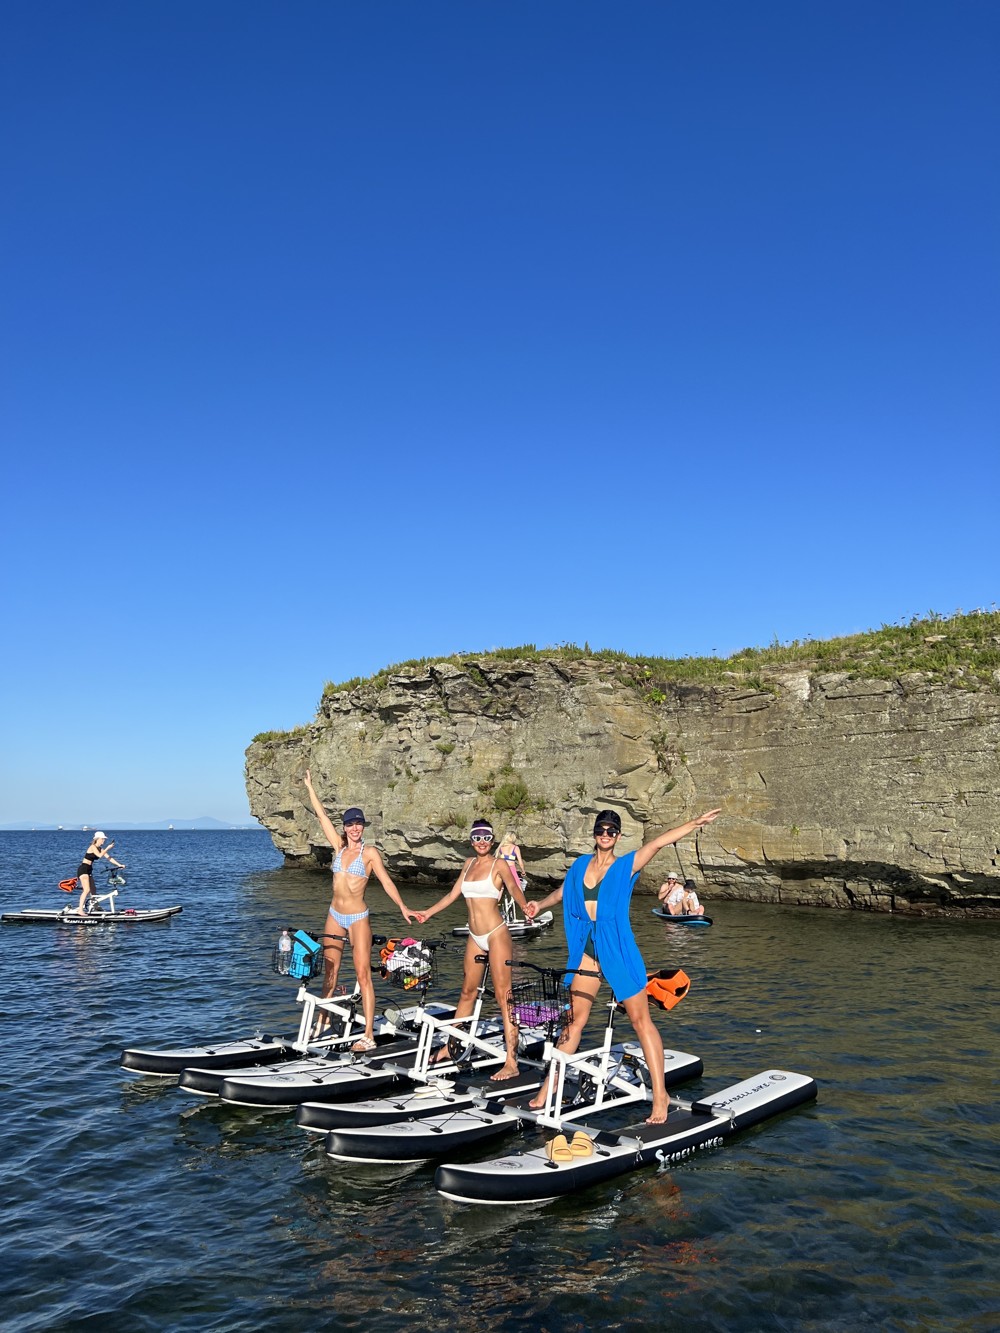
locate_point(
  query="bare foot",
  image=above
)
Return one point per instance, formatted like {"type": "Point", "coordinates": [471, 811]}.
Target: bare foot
{"type": "Point", "coordinates": [510, 1070]}
{"type": "Point", "coordinates": [658, 1114]}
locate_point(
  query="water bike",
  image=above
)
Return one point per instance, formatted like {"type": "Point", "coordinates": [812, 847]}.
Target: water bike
{"type": "Point", "coordinates": [100, 909]}
{"type": "Point", "coordinates": [418, 1127]}
{"type": "Point", "coordinates": [594, 1152]}
{"type": "Point", "coordinates": [322, 1023]}
{"type": "Point", "coordinates": [335, 1071]}
{"type": "Point", "coordinates": [449, 1050]}
{"type": "Point", "coordinates": [684, 919]}
{"type": "Point", "coordinates": [520, 927]}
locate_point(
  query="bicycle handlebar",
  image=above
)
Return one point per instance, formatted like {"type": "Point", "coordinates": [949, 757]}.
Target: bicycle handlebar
{"type": "Point", "coordinates": [554, 971]}
{"type": "Point", "coordinates": [440, 943]}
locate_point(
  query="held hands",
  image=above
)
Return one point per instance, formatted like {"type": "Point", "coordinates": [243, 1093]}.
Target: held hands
{"type": "Point", "coordinates": [530, 909]}
{"type": "Point", "coordinates": [419, 917]}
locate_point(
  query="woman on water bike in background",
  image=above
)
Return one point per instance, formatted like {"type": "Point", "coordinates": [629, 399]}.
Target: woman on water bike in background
{"type": "Point", "coordinates": [347, 918]}
{"type": "Point", "coordinates": [481, 882]}
{"type": "Point", "coordinates": [595, 895]}
{"type": "Point", "coordinates": [509, 851]}
{"type": "Point", "coordinates": [85, 871]}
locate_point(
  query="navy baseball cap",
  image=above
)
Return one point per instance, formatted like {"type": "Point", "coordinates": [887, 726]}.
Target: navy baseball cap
{"type": "Point", "coordinates": [354, 816]}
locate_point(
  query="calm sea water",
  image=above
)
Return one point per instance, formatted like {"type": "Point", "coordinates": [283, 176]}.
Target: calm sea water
{"type": "Point", "coordinates": [129, 1206]}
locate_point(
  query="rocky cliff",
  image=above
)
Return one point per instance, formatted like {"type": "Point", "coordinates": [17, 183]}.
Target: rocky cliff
{"type": "Point", "coordinates": [838, 790]}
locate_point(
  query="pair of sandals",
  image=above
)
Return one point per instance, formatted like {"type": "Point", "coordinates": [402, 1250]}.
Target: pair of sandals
{"type": "Point", "coordinates": [561, 1149]}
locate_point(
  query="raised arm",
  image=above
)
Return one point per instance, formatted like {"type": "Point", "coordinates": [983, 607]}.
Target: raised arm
{"type": "Point", "coordinates": [377, 867]}
{"type": "Point", "coordinates": [105, 853]}
{"type": "Point", "coordinates": [325, 822]}
{"type": "Point", "coordinates": [649, 849]}
{"type": "Point", "coordinates": [514, 889]}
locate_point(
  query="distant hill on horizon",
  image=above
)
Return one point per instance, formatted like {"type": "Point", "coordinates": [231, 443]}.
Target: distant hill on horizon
{"type": "Point", "coordinates": [111, 826]}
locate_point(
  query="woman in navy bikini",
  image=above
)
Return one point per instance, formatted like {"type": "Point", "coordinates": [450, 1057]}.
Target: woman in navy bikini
{"type": "Point", "coordinates": [481, 883]}
{"type": "Point", "coordinates": [348, 915]}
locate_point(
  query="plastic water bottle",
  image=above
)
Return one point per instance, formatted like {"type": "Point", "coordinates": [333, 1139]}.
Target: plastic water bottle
{"type": "Point", "coordinates": [284, 952]}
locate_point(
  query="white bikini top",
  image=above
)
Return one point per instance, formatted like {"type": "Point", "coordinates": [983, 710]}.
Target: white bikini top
{"type": "Point", "coordinates": [480, 888]}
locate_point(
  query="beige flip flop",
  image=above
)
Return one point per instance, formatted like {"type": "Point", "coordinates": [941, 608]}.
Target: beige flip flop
{"type": "Point", "coordinates": [558, 1149]}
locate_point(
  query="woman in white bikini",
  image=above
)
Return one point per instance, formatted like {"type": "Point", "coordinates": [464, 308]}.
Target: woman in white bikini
{"type": "Point", "coordinates": [481, 883]}
{"type": "Point", "coordinates": [348, 915]}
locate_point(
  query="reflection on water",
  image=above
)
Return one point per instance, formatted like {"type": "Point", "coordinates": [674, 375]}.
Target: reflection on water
{"type": "Point", "coordinates": [873, 1208]}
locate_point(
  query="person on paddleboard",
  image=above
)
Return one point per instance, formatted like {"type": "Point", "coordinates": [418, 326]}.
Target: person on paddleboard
{"type": "Point", "coordinates": [85, 871]}
{"type": "Point", "coordinates": [690, 903]}
{"type": "Point", "coordinates": [481, 882]}
{"type": "Point", "coordinates": [596, 895]}
{"type": "Point", "coordinates": [671, 894]}
{"type": "Point", "coordinates": [347, 918]}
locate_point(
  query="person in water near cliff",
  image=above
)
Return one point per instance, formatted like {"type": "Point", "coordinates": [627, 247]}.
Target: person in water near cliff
{"type": "Point", "coordinates": [347, 918]}
{"type": "Point", "coordinates": [596, 895]}
{"type": "Point", "coordinates": [509, 851]}
{"type": "Point", "coordinates": [482, 880]}
{"type": "Point", "coordinates": [85, 871]}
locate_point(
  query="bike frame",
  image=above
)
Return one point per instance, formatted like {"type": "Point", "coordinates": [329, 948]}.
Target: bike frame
{"type": "Point", "coordinates": [462, 1029]}
{"type": "Point", "coordinates": [342, 1007]}
{"type": "Point", "coordinates": [594, 1063]}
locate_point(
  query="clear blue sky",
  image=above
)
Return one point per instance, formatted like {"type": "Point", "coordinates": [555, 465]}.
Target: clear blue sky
{"type": "Point", "coordinates": [340, 333]}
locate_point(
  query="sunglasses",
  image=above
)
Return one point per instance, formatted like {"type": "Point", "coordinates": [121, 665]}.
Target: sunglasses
{"type": "Point", "coordinates": [482, 837]}
{"type": "Point", "coordinates": [606, 831]}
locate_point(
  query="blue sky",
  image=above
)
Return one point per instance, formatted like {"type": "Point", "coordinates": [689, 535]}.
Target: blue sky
{"type": "Point", "coordinates": [337, 334]}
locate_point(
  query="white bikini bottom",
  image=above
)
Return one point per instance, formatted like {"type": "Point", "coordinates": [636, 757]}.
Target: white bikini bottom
{"type": "Point", "coordinates": [483, 941]}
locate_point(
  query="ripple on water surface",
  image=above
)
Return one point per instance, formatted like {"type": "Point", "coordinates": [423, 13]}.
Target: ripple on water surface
{"type": "Point", "coordinates": [129, 1205]}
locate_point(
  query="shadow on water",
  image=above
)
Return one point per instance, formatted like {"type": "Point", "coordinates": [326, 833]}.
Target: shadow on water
{"type": "Point", "coordinates": [873, 1208]}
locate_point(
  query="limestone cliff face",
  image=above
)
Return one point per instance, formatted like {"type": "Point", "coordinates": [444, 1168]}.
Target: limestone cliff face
{"type": "Point", "coordinates": [874, 794]}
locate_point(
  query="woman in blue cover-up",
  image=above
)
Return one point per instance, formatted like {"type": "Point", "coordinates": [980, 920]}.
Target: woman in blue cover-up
{"type": "Point", "coordinates": [596, 895]}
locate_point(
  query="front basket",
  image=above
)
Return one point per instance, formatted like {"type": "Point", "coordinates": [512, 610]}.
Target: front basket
{"type": "Point", "coordinates": [407, 963]}
{"type": "Point", "coordinates": [302, 961]}
{"type": "Point", "coordinates": [543, 1002]}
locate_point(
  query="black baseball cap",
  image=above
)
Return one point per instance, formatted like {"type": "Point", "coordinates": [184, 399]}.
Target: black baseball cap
{"type": "Point", "coordinates": [611, 817]}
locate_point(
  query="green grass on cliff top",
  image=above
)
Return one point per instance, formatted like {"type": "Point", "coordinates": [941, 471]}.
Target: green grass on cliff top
{"type": "Point", "coordinates": [962, 649]}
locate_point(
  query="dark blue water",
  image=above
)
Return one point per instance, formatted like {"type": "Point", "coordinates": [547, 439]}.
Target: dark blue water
{"type": "Point", "coordinates": [128, 1206]}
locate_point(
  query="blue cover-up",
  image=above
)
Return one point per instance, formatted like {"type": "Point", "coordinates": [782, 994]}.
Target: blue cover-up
{"type": "Point", "coordinates": [618, 954]}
